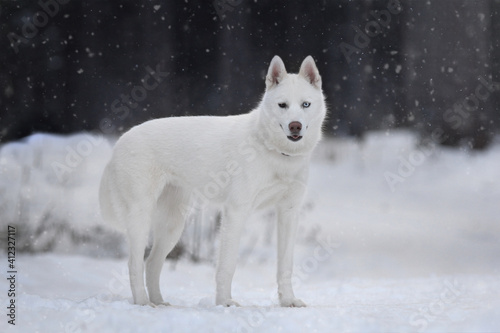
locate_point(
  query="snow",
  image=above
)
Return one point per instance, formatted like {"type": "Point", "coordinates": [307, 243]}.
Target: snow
{"type": "Point", "coordinates": [419, 257]}
{"type": "Point", "coordinates": [79, 294]}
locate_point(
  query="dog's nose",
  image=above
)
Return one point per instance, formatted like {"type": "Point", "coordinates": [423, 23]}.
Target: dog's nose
{"type": "Point", "coordinates": [295, 126]}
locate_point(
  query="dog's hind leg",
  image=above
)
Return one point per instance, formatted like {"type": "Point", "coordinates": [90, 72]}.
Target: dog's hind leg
{"type": "Point", "coordinates": [138, 235]}
{"type": "Point", "coordinates": [168, 223]}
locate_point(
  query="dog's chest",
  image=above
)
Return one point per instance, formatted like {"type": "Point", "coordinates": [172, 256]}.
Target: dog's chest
{"type": "Point", "coordinates": [276, 187]}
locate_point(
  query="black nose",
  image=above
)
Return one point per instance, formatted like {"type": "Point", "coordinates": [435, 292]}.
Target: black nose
{"type": "Point", "coordinates": [295, 127]}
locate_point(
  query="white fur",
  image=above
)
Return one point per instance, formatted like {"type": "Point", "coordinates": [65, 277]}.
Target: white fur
{"type": "Point", "coordinates": [161, 168]}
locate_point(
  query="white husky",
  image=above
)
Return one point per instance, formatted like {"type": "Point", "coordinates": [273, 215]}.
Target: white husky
{"type": "Point", "coordinates": [243, 163]}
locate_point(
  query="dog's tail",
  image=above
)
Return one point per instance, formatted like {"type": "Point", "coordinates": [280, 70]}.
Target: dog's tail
{"type": "Point", "coordinates": [107, 200]}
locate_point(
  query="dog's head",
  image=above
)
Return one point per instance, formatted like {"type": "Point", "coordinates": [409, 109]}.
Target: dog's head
{"type": "Point", "coordinates": [293, 108]}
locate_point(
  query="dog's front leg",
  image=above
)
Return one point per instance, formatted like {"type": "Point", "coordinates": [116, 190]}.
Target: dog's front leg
{"type": "Point", "coordinates": [287, 227]}
{"type": "Point", "coordinates": [232, 224]}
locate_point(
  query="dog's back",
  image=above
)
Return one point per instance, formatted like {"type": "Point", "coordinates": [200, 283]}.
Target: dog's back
{"type": "Point", "coordinates": [182, 152]}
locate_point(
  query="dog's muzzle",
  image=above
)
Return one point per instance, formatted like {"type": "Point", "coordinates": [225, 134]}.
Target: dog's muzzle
{"type": "Point", "coordinates": [295, 127]}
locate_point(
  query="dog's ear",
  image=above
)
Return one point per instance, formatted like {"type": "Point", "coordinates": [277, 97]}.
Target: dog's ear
{"type": "Point", "coordinates": [309, 71]}
{"type": "Point", "coordinates": [276, 72]}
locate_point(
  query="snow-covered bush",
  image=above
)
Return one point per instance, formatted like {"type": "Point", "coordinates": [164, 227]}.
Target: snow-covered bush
{"type": "Point", "coordinates": [48, 186]}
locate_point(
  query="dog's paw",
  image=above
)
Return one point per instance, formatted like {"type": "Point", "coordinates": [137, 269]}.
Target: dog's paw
{"type": "Point", "coordinates": [161, 304]}
{"type": "Point", "coordinates": [151, 304]}
{"type": "Point", "coordinates": [227, 302]}
{"type": "Point", "coordinates": [292, 303]}
{"type": "Point", "coordinates": [158, 301]}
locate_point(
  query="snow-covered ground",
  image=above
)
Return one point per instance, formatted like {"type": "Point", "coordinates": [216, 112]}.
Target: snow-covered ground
{"type": "Point", "coordinates": [394, 237]}
{"type": "Point", "coordinates": [61, 293]}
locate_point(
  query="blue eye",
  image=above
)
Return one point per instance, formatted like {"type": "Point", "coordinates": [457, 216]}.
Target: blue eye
{"type": "Point", "coordinates": [283, 105]}
{"type": "Point", "coordinates": [306, 104]}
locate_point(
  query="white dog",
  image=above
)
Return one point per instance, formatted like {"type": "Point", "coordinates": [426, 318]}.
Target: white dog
{"type": "Point", "coordinates": [244, 162]}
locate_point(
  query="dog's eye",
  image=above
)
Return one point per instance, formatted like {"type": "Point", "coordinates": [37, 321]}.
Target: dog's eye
{"type": "Point", "coordinates": [306, 104]}
{"type": "Point", "coordinates": [283, 105]}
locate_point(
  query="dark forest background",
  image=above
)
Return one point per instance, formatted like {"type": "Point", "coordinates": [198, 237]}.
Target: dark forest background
{"type": "Point", "coordinates": [105, 66]}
